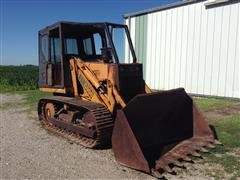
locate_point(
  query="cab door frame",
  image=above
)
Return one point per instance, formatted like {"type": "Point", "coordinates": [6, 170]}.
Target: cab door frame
{"type": "Point", "coordinates": [47, 65]}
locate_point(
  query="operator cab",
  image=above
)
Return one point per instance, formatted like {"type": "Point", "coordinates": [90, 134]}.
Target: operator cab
{"type": "Point", "coordinates": [91, 42]}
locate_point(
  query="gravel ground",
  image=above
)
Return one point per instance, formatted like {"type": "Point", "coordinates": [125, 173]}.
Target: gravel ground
{"type": "Point", "coordinates": [30, 152]}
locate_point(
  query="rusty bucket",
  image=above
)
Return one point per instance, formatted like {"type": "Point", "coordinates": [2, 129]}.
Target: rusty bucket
{"type": "Point", "coordinates": [155, 131]}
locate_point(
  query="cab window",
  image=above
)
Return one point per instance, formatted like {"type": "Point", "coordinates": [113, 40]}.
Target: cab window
{"type": "Point", "coordinates": [71, 46]}
{"type": "Point", "coordinates": [98, 43]}
{"type": "Point", "coordinates": [44, 47]}
{"type": "Point", "coordinates": [55, 46]}
{"type": "Point", "coordinates": [88, 46]}
{"type": "Point", "coordinates": [55, 49]}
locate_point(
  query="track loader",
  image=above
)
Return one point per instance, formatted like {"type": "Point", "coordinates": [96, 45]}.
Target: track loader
{"type": "Point", "coordinates": [99, 102]}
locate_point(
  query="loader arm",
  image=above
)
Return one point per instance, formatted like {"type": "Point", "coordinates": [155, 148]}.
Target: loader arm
{"type": "Point", "coordinates": [106, 94]}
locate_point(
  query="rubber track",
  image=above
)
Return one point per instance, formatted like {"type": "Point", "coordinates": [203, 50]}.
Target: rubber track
{"type": "Point", "coordinates": [104, 122]}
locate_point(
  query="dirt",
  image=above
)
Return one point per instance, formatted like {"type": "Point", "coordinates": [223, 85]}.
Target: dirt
{"type": "Point", "coordinates": [30, 152]}
{"type": "Point", "coordinates": [221, 113]}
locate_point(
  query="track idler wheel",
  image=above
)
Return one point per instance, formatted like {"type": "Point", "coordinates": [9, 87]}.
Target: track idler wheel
{"type": "Point", "coordinates": [49, 111]}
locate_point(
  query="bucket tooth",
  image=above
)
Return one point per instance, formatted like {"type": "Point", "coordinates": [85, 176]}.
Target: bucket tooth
{"type": "Point", "coordinates": [211, 146]}
{"type": "Point", "coordinates": [187, 159]}
{"type": "Point", "coordinates": [168, 169]}
{"type": "Point", "coordinates": [217, 142]}
{"type": "Point", "coordinates": [182, 155]}
{"type": "Point", "coordinates": [159, 164]}
{"type": "Point", "coordinates": [186, 151]}
{"type": "Point", "coordinates": [195, 154]}
{"type": "Point", "coordinates": [164, 164]}
{"type": "Point", "coordinates": [204, 150]}
{"type": "Point", "coordinates": [178, 164]}
{"type": "Point", "coordinates": [176, 155]}
{"type": "Point", "coordinates": [201, 143]}
{"type": "Point", "coordinates": [156, 173]}
{"type": "Point", "coordinates": [174, 160]}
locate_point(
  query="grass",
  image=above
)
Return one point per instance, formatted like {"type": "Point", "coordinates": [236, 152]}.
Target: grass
{"type": "Point", "coordinates": [207, 104]}
{"type": "Point", "coordinates": [22, 80]}
{"type": "Point", "coordinates": [18, 78]}
{"type": "Point", "coordinates": [32, 98]}
{"type": "Point", "coordinates": [228, 131]}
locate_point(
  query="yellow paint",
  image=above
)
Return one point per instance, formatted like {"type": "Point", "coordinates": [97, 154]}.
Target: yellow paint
{"type": "Point", "coordinates": [74, 77]}
{"type": "Point", "coordinates": [54, 90]}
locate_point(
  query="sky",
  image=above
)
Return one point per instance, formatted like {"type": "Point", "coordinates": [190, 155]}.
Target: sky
{"type": "Point", "coordinates": [20, 21]}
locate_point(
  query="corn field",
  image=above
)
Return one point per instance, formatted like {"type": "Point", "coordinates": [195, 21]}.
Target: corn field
{"type": "Point", "coordinates": [18, 78]}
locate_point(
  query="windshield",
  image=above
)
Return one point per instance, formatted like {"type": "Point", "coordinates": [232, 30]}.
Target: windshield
{"type": "Point", "coordinates": [121, 40]}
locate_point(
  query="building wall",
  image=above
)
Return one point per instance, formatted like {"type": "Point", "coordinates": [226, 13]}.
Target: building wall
{"type": "Point", "coordinates": [191, 47]}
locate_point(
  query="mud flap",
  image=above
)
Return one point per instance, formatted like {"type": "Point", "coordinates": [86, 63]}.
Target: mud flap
{"type": "Point", "coordinates": [153, 124]}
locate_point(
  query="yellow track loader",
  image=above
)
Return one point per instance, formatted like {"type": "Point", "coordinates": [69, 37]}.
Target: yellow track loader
{"type": "Point", "coordinates": [99, 101]}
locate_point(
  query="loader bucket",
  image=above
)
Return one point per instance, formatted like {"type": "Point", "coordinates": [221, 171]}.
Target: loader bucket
{"type": "Point", "coordinates": [155, 131]}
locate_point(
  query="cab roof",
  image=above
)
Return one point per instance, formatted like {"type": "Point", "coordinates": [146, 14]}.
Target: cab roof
{"type": "Point", "coordinates": [70, 24]}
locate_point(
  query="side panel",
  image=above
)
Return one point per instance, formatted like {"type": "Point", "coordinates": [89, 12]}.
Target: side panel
{"type": "Point", "coordinates": [141, 24]}
{"type": "Point", "coordinates": [192, 46]}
